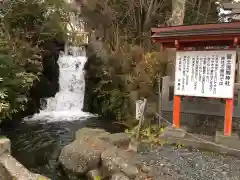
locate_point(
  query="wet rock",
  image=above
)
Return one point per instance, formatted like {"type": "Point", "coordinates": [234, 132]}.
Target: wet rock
{"type": "Point", "coordinates": [83, 155]}
{"type": "Point", "coordinates": [96, 153]}
{"type": "Point", "coordinates": [79, 158]}
{"type": "Point", "coordinates": [89, 132]}
{"type": "Point", "coordinates": [11, 169]}
{"type": "Point", "coordinates": [117, 139]}
{"type": "Point", "coordinates": [117, 160]}
{"type": "Point", "coordinates": [119, 176]}
{"type": "Point", "coordinates": [94, 174]}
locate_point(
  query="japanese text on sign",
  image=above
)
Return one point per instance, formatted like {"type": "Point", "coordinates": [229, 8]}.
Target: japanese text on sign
{"type": "Point", "coordinates": [205, 73]}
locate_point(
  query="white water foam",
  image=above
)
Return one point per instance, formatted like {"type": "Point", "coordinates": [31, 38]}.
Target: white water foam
{"type": "Point", "coordinates": [67, 104]}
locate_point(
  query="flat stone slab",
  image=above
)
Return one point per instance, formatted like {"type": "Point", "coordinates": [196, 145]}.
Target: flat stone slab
{"type": "Point", "coordinates": [117, 139]}
{"type": "Point", "coordinates": [10, 168]}
{"type": "Point", "coordinates": [174, 132]}
{"type": "Point", "coordinates": [90, 132]}
{"type": "Point", "coordinates": [5, 146]}
{"type": "Point", "coordinates": [232, 141]}
{"type": "Point", "coordinates": [202, 142]}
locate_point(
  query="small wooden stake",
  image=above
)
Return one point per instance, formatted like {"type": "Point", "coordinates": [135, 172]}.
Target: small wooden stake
{"type": "Point", "coordinates": [141, 119]}
{"type": "Point", "coordinates": [159, 103]}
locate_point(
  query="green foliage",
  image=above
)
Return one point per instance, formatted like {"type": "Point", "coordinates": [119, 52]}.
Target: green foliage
{"type": "Point", "coordinates": [25, 27]}
{"type": "Point", "coordinates": [41, 178]}
{"type": "Point", "coordinates": [108, 95]}
{"type": "Point", "coordinates": [3, 137]}
{"type": "Point", "coordinates": [97, 178]}
{"type": "Point", "coordinates": [112, 102]}
{"type": "Point", "coordinates": [15, 82]}
{"type": "Point", "coordinates": [149, 134]}
{"type": "Point", "coordinates": [110, 81]}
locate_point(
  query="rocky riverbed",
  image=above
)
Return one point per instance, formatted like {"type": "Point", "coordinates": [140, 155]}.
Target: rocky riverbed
{"type": "Point", "coordinates": [40, 154]}
{"type": "Point", "coordinates": [188, 164]}
{"type": "Point", "coordinates": [97, 154]}
{"type": "Point", "coordinates": [94, 151]}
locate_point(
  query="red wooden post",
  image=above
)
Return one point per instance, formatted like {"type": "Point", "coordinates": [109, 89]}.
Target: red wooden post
{"type": "Point", "coordinates": [176, 102]}
{"type": "Point", "coordinates": [229, 108]}
{"type": "Point", "coordinates": [176, 111]}
{"type": "Point", "coordinates": [228, 117]}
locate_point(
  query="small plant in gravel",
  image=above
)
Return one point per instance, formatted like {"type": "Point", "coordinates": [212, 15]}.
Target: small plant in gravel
{"type": "Point", "coordinates": [148, 134]}
{"type": "Point", "coordinates": [179, 145]}
{"type": "Point", "coordinates": [97, 178]}
{"type": "Point", "coordinates": [151, 135]}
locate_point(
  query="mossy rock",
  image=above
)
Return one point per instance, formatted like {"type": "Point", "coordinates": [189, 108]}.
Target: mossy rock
{"type": "Point", "coordinates": [3, 137]}
{"type": "Point", "coordinates": [41, 178]}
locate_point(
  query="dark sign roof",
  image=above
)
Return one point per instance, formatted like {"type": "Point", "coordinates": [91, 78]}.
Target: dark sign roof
{"type": "Point", "coordinates": [205, 27]}
{"type": "Point", "coordinates": [193, 32]}
{"type": "Point", "coordinates": [197, 33]}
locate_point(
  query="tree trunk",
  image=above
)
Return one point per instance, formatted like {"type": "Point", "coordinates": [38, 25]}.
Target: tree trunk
{"type": "Point", "coordinates": [178, 12]}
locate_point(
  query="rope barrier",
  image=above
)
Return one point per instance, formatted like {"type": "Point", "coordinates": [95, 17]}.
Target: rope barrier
{"type": "Point", "coordinates": [196, 137]}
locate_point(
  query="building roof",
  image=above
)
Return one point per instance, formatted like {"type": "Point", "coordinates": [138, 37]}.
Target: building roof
{"type": "Point", "coordinates": [194, 32]}
{"type": "Point", "coordinates": [207, 34]}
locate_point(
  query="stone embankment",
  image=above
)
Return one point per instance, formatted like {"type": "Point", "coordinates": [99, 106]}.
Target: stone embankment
{"type": "Point", "coordinates": [98, 154]}
{"type": "Point", "coordinates": [10, 168]}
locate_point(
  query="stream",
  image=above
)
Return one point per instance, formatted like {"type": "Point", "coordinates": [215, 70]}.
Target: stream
{"type": "Point", "coordinates": [37, 145]}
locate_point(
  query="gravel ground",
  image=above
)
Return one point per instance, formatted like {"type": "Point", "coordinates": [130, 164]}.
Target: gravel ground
{"type": "Point", "coordinates": [184, 164]}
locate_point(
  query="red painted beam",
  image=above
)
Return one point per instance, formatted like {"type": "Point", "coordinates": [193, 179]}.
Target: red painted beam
{"type": "Point", "coordinates": [196, 44]}
{"type": "Point", "coordinates": [197, 38]}
{"type": "Point", "coordinates": [196, 41]}
{"type": "Point", "coordinates": [195, 27]}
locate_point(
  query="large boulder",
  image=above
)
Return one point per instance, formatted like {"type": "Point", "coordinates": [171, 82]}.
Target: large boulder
{"type": "Point", "coordinates": [90, 133]}
{"type": "Point", "coordinates": [79, 157]}
{"type": "Point", "coordinates": [117, 139]}
{"type": "Point", "coordinates": [83, 155]}
{"type": "Point", "coordinates": [96, 152]}
{"type": "Point", "coordinates": [119, 176]}
{"type": "Point", "coordinates": [116, 160]}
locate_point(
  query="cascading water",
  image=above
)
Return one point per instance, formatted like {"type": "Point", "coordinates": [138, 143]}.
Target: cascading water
{"type": "Point", "coordinates": [68, 102]}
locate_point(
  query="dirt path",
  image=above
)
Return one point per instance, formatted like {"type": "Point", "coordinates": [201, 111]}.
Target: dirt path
{"type": "Point", "coordinates": [184, 164]}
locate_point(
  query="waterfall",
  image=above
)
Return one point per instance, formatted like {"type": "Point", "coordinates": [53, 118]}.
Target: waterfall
{"type": "Point", "coordinates": [67, 104]}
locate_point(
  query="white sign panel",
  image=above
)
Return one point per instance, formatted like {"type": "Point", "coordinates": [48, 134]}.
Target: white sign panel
{"type": "Point", "coordinates": [139, 109]}
{"type": "Point", "coordinates": [205, 73]}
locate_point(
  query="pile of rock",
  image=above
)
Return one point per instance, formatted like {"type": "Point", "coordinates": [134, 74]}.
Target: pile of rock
{"type": "Point", "coordinates": [98, 154]}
